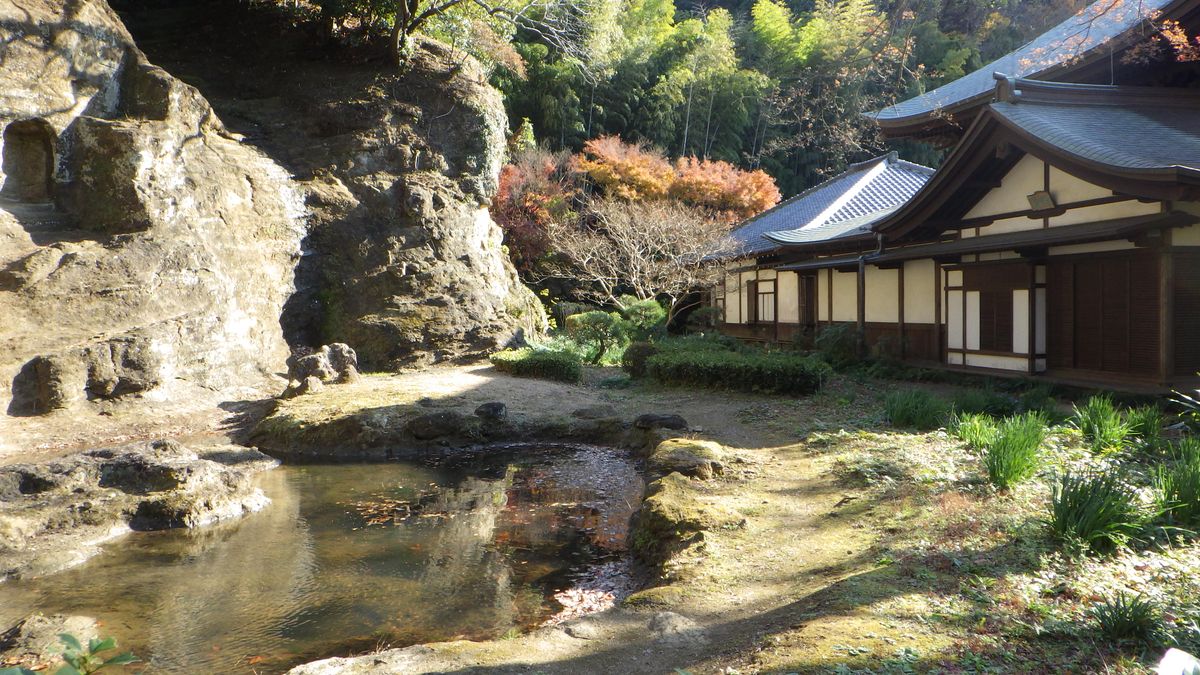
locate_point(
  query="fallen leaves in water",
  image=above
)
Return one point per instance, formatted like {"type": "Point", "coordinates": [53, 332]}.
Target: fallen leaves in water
{"type": "Point", "coordinates": [596, 589]}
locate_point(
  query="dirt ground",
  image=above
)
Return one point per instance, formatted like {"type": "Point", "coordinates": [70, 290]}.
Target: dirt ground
{"type": "Point", "coordinates": [865, 549]}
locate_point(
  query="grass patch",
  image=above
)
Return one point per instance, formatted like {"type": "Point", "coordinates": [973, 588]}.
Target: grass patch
{"type": "Point", "coordinates": [1093, 512]}
{"type": "Point", "coordinates": [1102, 425]}
{"type": "Point", "coordinates": [915, 409]}
{"type": "Point", "coordinates": [1177, 490]}
{"type": "Point", "coordinates": [975, 429]}
{"type": "Point", "coordinates": [1012, 456]}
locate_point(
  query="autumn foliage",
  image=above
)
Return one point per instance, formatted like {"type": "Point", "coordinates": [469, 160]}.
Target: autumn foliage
{"type": "Point", "coordinates": [723, 188]}
{"type": "Point", "coordinates": [634, 172]}
{"type": "Point", "coordinates": [538, 188]}
{"type": "Point", "coordinates": [626, 170]}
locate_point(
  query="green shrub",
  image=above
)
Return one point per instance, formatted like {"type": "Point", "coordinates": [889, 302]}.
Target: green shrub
{"type": "Point", "coordinates": [838, 344]}
{"type": "Point", "coordinates": [1093, 511]}
{"type": "Point", "coordinates": [915, 409]}
{"type": "Point", "coordinates": [644, 319]}
{"type": "Point", "coordinates": [987, 401]}
{"type": "Point", "coordinates": [1012, 456]}
{"type": "Point", "coordinates": [529, 362]}
{"type": "Point", "coordinates": [773, 373]}
{"type": "Point", "coordinates": [975, 429]}
{"type": "Point", "coordinates": [1177, 490]}
{"type": "Point", "coordinates": [705, 319]}
{"type": "Point", "coordinates": [1102, 425]}
{"type": "Point", "coordinates": [1126, 618]}
{"type": "Point", "coordinates": [633, 361]}
{"type": "Point", "coordinates": [600, 332]}
{"type": "Point", "coordinates": [1146, 422]}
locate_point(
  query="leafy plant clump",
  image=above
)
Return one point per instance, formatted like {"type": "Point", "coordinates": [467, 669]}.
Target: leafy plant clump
{"type": "Point", "coordinates": [771, 373]}
{"type": "Point", "coordinates": [1177, 488]}
{"type": "Point", "coordinates": [838, 344]}
{"type": "Point", "coordinates": [1093, 512]}
{"type": "Point", "coordinates": [915, 409]}
{"type": "Point", "coordinates": [1012, 456]}
{"type": "Point", "coordinates": [1102, 425]}
{"type": "Point", "coordinates": [975, 429]}
{"type": "Point", "coordinates": [528, 362]}
{"type": "Point", "coordinates": [80, 661]}
{"type": "Point", "coordinates": [1146, 423]}
{"type": "Point", "coordinates": [1128, 618]}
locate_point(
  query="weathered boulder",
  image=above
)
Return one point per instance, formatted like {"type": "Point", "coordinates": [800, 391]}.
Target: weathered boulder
{"type": "Point", "coordinates": [402, 258]}
{"type": "Point", "coordinates": [437, 425]}
{"type": "Point", "coordinates": [657, 421]}
{"type": "Point", "coordinates": [142, 248]}
{"type": "Point", "coordinates": [674, 517]}
{"type": "Point", "coordinates": [53, 514]}
{"type": "Point", "coordinates": [690, 457]}
{"type": "Point", "coordinates": [33, 642]}
{"type": "Point", "coordinates": [492, 411]}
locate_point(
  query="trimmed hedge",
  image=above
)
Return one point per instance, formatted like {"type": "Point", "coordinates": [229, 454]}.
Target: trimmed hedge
{"type": "Point", "coordinates": [772, 373]}
{"type": "Point", "coordinates": [550, 365]}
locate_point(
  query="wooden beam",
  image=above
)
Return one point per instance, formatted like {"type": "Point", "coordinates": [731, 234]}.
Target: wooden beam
{"type": "Point", "coordinates": [862, 307]}
{"type": "Point", "coordinates": [937, 310]}
{"type": "Point", "coordinates": [1166, 315]}
{"type": "Point", "coordinates": [1032, 336]}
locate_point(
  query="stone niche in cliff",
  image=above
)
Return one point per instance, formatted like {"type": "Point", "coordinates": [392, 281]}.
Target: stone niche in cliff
{"type": "Point", "coordinates": [143, 250]}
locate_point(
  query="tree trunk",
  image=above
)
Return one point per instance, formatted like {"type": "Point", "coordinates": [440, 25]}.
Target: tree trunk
{"type": "Point", "coordinates": [398, 41]}
{"type": "Point", "coordinates": [687, 118]}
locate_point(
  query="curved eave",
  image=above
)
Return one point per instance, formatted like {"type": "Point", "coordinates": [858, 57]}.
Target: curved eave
{"type": "Point", "coordinates": [1166, 183]}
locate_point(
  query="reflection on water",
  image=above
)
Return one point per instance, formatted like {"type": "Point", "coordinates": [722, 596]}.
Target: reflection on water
{"type": "Point", "coordinates": [479, 549]}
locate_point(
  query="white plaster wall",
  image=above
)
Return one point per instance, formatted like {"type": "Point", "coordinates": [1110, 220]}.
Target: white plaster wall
{"type": "Point", "coordinates": [1066, 188]}
{"type": "Point", "coordinates": [1020, 321]}
{"type": "Point", "coordinates": [1024, 179]}
{"type": "Point", "coordinates": [954, 359]}
{"type": "Point", "coordinates": [954, 324]}
{"type": "Point", "coordinates": [1190, 235]}
{"type": "Point", "coordinates": [883, 295]}
{"type": "Point", "coordinates": [1039, 317]}
{"type": "Point", "coordinates": [954, 277]}
{"type": "Point", "coordinates": [1093, 214]}
{"type": "Point", "coordinates": [1001, 362]}
{"type": "Point", "coordinates": [919, 294]}
{"type": "Point", "coordinates": [845, 296]}
{"type": "Point", "coordinates": [972, 323]}
{"type": "Point", "coordinates": [787, 290]}
{"type": "Point", "coordinates": [767, 274]}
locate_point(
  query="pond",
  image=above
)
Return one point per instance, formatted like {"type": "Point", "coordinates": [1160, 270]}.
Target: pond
{"type": "Point", "coordinates": [354, 557]}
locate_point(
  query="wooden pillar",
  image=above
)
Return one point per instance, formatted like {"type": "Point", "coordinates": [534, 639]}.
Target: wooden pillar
{"type": "Point", "coordinates": [1032, 337]}
{"type": "Point", "coordinates": [1166, 316]}
{"type": "Point", "coordinates": [829, 293]}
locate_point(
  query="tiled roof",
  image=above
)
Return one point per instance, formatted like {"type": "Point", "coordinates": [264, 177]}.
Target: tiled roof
{"type": "Point", "coordinates": [1131, 128]}
{"type": "Point", "coordinates": [1066, 44]}
{"type": "Point", "coordinates": [836, 206]}
{"type": "Point", "coordinates": [828, 230]}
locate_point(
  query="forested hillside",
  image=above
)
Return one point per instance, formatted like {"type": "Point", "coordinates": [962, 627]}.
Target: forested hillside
{"type": "Point", "coordinates": [760, 83]}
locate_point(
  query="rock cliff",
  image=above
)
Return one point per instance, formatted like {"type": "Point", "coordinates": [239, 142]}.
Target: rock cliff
{"type": "Point", "coordinates": [147, 250]}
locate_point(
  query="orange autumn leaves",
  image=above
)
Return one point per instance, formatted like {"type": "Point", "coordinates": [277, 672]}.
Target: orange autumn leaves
{"type": "Point", "coordinates": [634, 172]}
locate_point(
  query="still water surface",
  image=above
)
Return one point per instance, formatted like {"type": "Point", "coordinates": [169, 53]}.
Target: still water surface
{"type": "Point", "coordinates": [349, 557]}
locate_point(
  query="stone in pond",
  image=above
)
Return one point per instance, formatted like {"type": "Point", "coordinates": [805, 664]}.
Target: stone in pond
{"type": "Point", "coordinates": [493, 410]}
{"type": "Point", "coordinates": [33, 642]}
{"type": "Point", "coordinates": [436, 425]}
{"type": "Point", "coordinates": [653, 421]}
{"type": "Point", "coordinates": [698, 459]}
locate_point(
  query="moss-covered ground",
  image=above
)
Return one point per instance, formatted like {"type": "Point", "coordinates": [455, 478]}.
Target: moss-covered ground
{"type": "Point", "coordinates": [861, 548]}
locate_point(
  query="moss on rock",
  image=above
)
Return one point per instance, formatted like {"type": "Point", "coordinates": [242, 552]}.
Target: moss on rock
{"type": "Point", "coordinates": [690, 457]}
{"type": "Point", "coordinates": [674, 517]}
